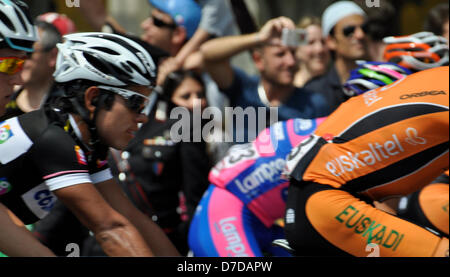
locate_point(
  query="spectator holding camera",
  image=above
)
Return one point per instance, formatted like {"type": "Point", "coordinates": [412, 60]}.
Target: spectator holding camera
{"type": "Point", "coordinates": [273, 88]}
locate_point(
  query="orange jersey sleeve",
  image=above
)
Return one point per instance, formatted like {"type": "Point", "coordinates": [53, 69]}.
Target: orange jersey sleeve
{"type": "Point", "coordinates": [352, 226]}
{"type": "Point", "coordinates": [433, 200]}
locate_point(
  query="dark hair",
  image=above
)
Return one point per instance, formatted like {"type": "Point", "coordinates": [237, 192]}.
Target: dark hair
{"type": "Point", "coordinates": [436, 18]}
{"type": "Point", "coordinates": [174, 79]}
{"type": "Point", "coordinates": [50, 35]}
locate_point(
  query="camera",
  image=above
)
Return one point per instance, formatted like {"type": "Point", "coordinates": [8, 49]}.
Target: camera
{"type": "Point", "coordinates": [294, 37]}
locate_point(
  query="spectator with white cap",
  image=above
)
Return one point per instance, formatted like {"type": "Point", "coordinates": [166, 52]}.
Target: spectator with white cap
{"type": "Point", "coordinates": [343, 25]}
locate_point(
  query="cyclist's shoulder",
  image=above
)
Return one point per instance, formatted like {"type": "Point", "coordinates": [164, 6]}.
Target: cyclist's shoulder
{"type": "Point", "coordinates": [33, 129]}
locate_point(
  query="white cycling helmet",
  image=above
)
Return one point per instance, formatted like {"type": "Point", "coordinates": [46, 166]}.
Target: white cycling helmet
{"type": "Point", "coordinates": [17, 30]}
{"type": "Point", "coordinates": [104, 58]}
{"type": "Point", "coordinates": [417, 52]}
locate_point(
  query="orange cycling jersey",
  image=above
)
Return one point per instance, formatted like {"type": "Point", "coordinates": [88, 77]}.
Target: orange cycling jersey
{"type": "Point", "coordinates": [388, 142]}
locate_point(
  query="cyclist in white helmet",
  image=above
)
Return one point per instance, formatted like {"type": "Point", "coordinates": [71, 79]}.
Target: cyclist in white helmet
{"type": "Point", "coordinates": [17, 35]}
{"type": "Point", "coordinates": [60, 151]}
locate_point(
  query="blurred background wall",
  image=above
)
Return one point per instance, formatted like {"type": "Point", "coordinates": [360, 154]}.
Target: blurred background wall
{"type": "Point", "coordinates": [409, 14]}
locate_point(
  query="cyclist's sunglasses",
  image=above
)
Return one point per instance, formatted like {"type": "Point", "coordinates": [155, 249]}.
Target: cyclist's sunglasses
{"type": "Point", "coordinates": [11, 65]}
{"type": "Point", "coordinates": [161, 24]}
{"type": "Point", "coordinates": [134, 101]}
{"type": "Point", "coordinates": [350, 30]}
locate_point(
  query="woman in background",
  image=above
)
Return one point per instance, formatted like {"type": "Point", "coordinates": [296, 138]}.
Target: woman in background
{"type": "Point", "coordinates": [313, 58]}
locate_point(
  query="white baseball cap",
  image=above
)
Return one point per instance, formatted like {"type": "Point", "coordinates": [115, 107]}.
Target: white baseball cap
{"type": "Point", "coordinates": [335, 12]}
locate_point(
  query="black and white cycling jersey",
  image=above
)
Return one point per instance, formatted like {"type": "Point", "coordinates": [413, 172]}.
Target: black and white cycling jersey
{"type": "Point", "coordinates": [41, 152]}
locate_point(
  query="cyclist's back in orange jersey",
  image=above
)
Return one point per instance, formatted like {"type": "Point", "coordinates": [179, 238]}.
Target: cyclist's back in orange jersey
{"type": "Point", "coordinates": [390, 141]}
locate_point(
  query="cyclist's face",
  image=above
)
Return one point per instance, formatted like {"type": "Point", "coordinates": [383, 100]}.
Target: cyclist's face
{"type": "Point", "coordinates": [117, 126]}
{"type": "Point", "coordinates": [314, 55]}
{"type": "Point", "coordinates": [189, 94]}
{"type": "Point", "coordinates": [7, 82]}
{"type": "Point", "coordinates": [350, 45]}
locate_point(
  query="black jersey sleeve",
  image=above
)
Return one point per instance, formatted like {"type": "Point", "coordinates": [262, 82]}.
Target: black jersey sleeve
{"type": "Point", "coordinates": [59, 160]}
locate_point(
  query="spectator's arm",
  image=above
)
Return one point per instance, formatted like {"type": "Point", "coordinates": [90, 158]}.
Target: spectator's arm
{"type": "Point", "coordinates": [218, 52]}
{"type": "Point", "coordinates": [193, 45]}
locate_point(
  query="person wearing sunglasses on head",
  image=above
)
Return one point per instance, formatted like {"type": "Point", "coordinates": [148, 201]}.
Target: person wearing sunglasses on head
{"type": "Point", "coordinates": [17, 35]}
{"type": "Point", "coordinates": [344, 28]}
{"type": "Point", "coordinates": [59, 152]}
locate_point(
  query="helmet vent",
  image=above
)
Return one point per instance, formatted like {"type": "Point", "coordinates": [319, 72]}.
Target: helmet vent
{"type": "Point", "coordinates": [5, 20]}
{"type": "Point", "coordinates": [134, 66]}
{"type": "Point", "coordinates": [126, 67]}
{"type": "Point", "coordinates": [107, 68]}
{"type": "Point", "coordinates": [22, 21]}
{"type": "Point", "coordinates": [106, 50]}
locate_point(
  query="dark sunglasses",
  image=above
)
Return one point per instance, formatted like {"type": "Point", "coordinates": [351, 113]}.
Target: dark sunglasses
{"type": "Point", "coordinates": [350, 30]}
{"type": "Point", "coordinates": [134, 101]}
{"type": "Point", "coordinates": [161, 24]}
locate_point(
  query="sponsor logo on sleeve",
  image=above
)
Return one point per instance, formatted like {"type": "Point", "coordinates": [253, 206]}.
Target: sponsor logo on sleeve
{"type": "Point", "coordinates": [235, 246]}
{"type": "Point", "coordinates": [101, 164]}
{"type": "Point", "coordinates": [39, 200]}
{"type": "Point", "coordinates": [303, 127]}
{"type": "Point", "coordinates": [5, 187]}
{"type": "Point", "coordinates": [5, 133]}
{"type": "Point", "coordinates": [266, 172]}
{"type": "Point", "coordinates": [80, 155]}
{"type": "Point", "coordinates": [371, 97]}
{"type": "Point", "coordinates": [368, 228]}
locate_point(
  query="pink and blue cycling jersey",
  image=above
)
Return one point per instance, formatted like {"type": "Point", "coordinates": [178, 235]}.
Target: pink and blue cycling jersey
{"type": "Point", "coordinates": [236, 215]}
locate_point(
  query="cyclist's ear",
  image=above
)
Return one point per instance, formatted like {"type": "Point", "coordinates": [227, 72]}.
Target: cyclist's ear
{"type": "Point", "coordinates": [91, 96]}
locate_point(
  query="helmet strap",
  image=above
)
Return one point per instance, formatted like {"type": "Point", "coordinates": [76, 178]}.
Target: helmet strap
{"type": "Point", "coordinates": [94, 140]}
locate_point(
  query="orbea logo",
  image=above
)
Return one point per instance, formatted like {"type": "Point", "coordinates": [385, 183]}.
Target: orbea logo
{"type": "Point", "coordinates": [5, 187]}
{"type": "Point", "coordinates": [73, 3]}
{"type": "Point", "coordinates": [5, 133]}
